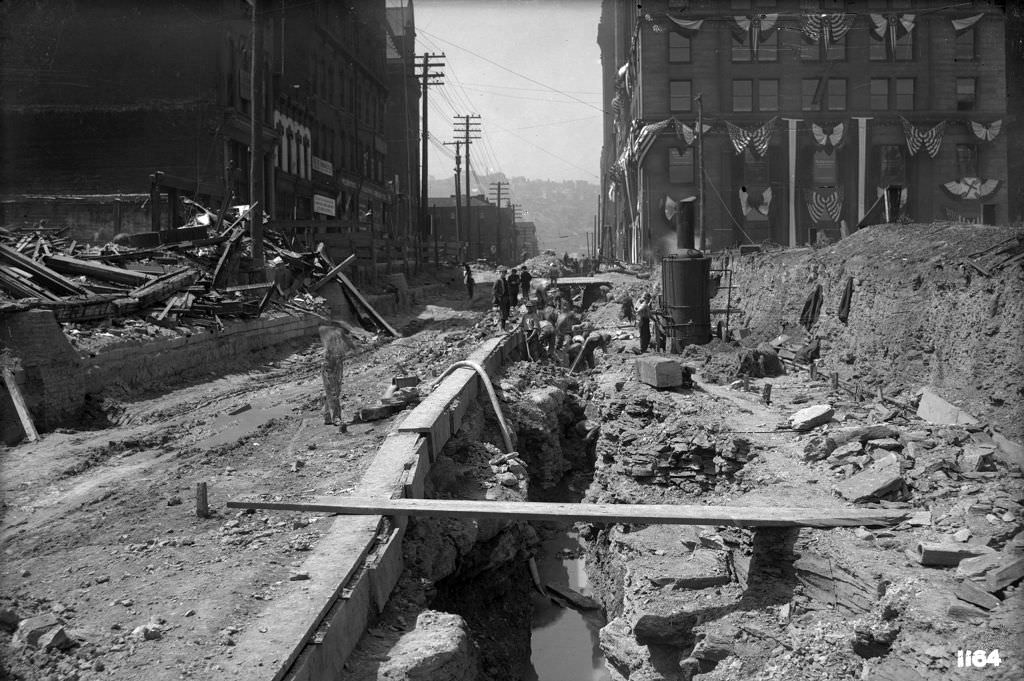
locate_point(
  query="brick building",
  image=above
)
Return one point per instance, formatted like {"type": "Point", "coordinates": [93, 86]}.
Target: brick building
{"type": "Point", "coordinates": [810, 111]}
{"type": "Point", "coordinates": [491, 233]}
{"type": "Point", "coordinates": [97, 96]}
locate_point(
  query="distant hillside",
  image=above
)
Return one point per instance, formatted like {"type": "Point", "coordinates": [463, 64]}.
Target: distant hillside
{"type": "Point", "coordinates": [563, 211]}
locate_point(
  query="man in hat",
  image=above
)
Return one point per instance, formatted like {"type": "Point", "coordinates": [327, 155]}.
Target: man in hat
{"type": "Point", "coordinates": [501, 298]}
{"type": "Point", "coordinates": [643, 319]}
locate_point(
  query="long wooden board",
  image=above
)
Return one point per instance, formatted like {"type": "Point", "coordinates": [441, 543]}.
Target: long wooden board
{"type": "Point", "coordinates": [649, 514]}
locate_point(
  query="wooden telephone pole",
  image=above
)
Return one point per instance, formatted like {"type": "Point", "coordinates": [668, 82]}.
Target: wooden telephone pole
{"type": "Point", "coordinates": [427, 77]}
{"type": "Point", "coordinates": [468, 127]}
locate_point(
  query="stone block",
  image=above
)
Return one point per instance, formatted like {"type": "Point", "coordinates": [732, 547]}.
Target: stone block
{"type": "Point", "coordinates": [934, 409]}
{"type": "Point", "coordinates": [659, 372]}
{"type": "Point", "coordinates": [811, 417]}
{"type": "Point", "coordinates": [873, 482]}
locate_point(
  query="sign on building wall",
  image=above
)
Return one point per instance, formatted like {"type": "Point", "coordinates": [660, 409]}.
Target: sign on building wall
{"type": "Point", "coordinates": [323, 205]}
{"type": "Point", "coordinates": [322, 166]}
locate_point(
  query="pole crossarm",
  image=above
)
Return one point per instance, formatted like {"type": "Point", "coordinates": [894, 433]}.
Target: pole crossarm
{"type": "Point", "coordinates": [642, 514]}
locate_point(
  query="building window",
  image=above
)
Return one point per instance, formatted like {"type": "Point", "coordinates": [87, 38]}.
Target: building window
{"type": "Point", "coordinates": [680, 165]}
{"type": "Point", "coordinates": [963, 49]}
{"type": "Point", "coordinates": [743, 95]}
{"type": "Point", "coordinates": [816, 51]}
{"type": "Point", "coordinates": [878, 50]}
{"type": "Point", "coordinates": [768, 48]}
{"type": "Point", "coordinates": [768, 95]}
{"type": "Point", "coordinates": [904, 94]}
{"type": "Point", "coordinates": [836, 94]}
{"type": "Point", "coordinates": [740, 49]}
{"type": "Point", "coordinates": [904, 47]}
{"type": "Point", "coordinates": [808, 90]}
{"type": "Point", "coordinates": [966, 160]}
{"type": "Point", "coordinates": [880, 94]}
{"type": "Point", "coordinates": [680, 95]}
{"type": "Point", "coordinates": [678, 48]}
{"type": "Point", "coordinates": [965, 94]}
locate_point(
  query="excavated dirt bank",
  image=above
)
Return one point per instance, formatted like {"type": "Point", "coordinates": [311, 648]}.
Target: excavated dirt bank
{"type": "Point", "coordinates": [931, 304]}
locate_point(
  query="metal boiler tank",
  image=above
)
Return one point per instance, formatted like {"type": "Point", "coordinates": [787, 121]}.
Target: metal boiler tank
{"type": "Point", "coordinates": [684, 290]}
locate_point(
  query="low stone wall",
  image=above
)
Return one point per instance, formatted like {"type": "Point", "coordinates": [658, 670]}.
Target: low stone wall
{"type": "Point", "coordinates": [310, 630]}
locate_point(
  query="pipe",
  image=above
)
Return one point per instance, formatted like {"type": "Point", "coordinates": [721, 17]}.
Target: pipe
{"type": "Point", "coordinates": [490, 391]}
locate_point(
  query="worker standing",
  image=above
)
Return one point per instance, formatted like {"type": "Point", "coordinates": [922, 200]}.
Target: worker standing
{"type": "Point", "coordinates": [501, 298]}
{"type": "Point", "coordinates": [524, 281]}
{"type": "Point", "coordinates": [643, 318]}
{"type": "Point", "coordinates": [467, 279]}
{"type": "Point", "coordinates": [335, 345]}
{"type": "Point", "coordinates": [513, 287]}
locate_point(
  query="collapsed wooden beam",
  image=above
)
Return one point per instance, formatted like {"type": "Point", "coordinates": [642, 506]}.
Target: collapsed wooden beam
{"type": "Point", "coordinates": [643, 514]}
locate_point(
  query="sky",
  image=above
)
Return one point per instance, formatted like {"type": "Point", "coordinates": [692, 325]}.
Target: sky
{"type": "Point", "coordinates": [531, 69]}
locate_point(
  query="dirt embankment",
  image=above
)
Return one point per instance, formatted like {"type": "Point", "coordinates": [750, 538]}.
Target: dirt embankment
{"type": "Point", "coordinates": [929, 304]}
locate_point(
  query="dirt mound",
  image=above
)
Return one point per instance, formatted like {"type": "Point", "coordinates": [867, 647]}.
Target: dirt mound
{"type": "Point", "coordinates": [901, 306]}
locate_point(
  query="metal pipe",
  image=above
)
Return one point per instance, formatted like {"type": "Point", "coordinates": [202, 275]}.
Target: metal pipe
{"type": "Point", "coordinates": [490, 391]}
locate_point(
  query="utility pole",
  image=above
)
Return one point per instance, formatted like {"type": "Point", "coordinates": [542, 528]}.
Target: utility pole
{"type": "Point", "coordinates": [458, 196]}
{"type": "Point", "coordinates": [470, 130]}
{"type": "Point", "coordinates": [498, 187]}
{"type": "Point", "coordinates": [700, 171]}
{"type": "Point", "coordinates": [256, 137]}
{"type": "Point", "coordinates": [427, 78]}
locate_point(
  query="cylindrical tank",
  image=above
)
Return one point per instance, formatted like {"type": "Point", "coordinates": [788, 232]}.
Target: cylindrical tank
{"type": "Point", "coordinates": [684, 289]}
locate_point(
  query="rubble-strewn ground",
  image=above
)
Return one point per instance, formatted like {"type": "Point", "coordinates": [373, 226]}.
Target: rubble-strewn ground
{"type": "Point", "coordinates": [99, 526]}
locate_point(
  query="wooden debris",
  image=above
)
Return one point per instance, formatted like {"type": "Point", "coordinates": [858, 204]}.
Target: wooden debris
{"type": "Point", "coordinates": [19, 405]}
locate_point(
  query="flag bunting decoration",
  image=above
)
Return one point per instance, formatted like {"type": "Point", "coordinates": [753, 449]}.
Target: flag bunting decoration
{"type": "Point", "coordinates": [688, 134]}
{"type": "Point", "coordinates": [762, 206]}
{"type": "Point", "coordinates": [756, 139]}
{"type": "Point", "coordinates": [891, 27]}
{"type": "Point", "coordinates": [961, 25]}
{"type": "Point", "coordinates": [931, 139]}
{"type": "Point", "coordinates": [687, 27]}
{"type": "Point", "coordinates": [987, 132]}
{"type": "Point", "coordinates": [829, 137]}
{"type": "Point", "coordinates": [754, 28]}
{"type": "Point", "coordinates": [968, 188]}
{"type": "Point", "coordinates": [826, 28]}
{"type": "Point", "coordinates": [825, 205]}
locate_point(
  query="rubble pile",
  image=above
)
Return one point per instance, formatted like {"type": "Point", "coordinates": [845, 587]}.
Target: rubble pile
{"type": "Point", "coordinates": [182, 282]}
{"type": "Point", "coordinates": [651, 442]}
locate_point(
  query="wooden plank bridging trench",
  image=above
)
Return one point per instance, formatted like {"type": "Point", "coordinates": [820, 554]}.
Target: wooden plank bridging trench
{"type": "Point", "coordinates": [647, 514]}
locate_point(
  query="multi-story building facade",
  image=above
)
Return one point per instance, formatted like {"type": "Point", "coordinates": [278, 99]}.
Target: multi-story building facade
{"type": "Point", "coordinates": [98, 96]}
{"type": "Point", "coordinates": [809, 112]}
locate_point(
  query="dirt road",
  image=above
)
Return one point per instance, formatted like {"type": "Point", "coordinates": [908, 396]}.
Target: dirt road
{"type": "Point", "coordinates": [100, 528]}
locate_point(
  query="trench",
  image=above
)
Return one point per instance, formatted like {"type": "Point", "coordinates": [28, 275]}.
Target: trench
{"type": "Point", "coordinates": [523, 633]}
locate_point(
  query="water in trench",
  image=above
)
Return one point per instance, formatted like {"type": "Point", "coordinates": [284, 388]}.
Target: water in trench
{"type": "Point", "coordinates": [564, 642]}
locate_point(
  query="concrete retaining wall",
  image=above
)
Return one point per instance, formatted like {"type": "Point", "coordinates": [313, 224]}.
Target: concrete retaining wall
{"type": "Point", "coordinates": [310, 631]}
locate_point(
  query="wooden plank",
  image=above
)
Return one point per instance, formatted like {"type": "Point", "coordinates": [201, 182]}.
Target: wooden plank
{"type": "Point", "coordinates": [41, 274]}
{"type": "Point", "coordinates": [67, 265]}
{"type": "Point", "coordinates": [649, 514]}
{"type": "Point", "coordinates": [19, 404]}
{"type": "Point", "coordinates": [369, 308]}
{"type": "Point", "coordinates": [332, 275]}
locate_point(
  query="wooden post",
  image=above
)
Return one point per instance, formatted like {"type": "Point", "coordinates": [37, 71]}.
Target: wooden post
{"type": "Point", "coordinates": [766, 394]}
{"type": "Point", "coordinates": [19, 405]}
{"type": "Point", "coordinates": [835, 381]}
{"type": "Point", "coordinates": [202, 510]}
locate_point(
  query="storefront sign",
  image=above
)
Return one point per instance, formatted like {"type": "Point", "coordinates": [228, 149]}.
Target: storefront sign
{"type": "Point", "coordinates": [323, 205]}
{"type": "Point", "coordinates": [322, 166]}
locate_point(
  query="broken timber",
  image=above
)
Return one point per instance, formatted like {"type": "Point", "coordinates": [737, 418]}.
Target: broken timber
{"type": "Point", "coordinates": [19, 404]}
{"type": "Point", "coordinates": [651, 514]}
